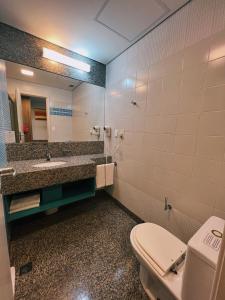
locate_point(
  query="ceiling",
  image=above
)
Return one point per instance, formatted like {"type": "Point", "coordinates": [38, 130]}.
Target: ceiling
{"type": "Point", "coordinates": [13, 70]}
{"type": "Point", "coordinates": [99, 29]}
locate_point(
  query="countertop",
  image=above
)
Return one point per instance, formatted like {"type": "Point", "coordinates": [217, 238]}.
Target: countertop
{"type": "Point", "coordinates": [27, 166]}
{"type": "Point", "coordinates": [29, 177]}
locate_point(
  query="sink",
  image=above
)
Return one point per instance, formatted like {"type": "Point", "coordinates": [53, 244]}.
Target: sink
{"type": "Point", "coordinates": [49, 164]}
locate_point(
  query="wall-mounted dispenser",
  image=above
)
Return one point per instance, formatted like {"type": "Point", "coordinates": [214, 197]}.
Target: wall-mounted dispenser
{"type": "Point", "coordinates": [96, 130]}
{"type": "Point", "coordinates": [133, 102]}
{"type": "Point", "coordinates": [108, 131]}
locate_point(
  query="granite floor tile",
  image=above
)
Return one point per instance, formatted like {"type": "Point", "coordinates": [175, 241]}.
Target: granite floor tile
{"type": "Point", "coordinates": [83, 252]}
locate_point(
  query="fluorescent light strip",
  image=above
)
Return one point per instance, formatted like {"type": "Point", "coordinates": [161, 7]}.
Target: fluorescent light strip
{"type": "Point", "coordinates": [65, 60]}
{"type": "Point", "coordinates": [27, 72]}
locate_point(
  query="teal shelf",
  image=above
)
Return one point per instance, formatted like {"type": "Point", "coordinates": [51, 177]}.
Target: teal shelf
{"type": "Point", "coordinates": [71, 192]}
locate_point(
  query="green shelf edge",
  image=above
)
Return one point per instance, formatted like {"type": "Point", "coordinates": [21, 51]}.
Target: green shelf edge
{"type": "Point", "coordinates": [53, 204]}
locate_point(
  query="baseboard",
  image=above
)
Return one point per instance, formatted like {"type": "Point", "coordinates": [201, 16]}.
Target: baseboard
{"type": "Point", "coordinates": [125, 209]}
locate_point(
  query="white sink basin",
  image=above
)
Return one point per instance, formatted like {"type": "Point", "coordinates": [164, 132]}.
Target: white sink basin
{"type": "Point", "coordinates": [49, 164]}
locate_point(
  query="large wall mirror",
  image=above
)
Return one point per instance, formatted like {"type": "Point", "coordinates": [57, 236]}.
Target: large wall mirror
{"type": "Point", "coordinates": [49, 107]}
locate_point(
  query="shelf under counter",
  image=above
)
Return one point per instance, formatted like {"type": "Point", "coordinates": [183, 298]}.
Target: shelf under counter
{"type": "Point", "coordinates": [54, 197]}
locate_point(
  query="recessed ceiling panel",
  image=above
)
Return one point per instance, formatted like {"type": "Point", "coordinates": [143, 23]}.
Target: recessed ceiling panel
{"type": "Point", "coordinates": [131, 18]}
{"type": "Point", "coordinates": [72, 23]}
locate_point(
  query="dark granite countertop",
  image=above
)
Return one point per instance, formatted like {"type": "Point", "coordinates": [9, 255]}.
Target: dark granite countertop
{"type": "Point", "coordinates": [29, 177]}
{"type": "Point", "coordinates": [27, 166]}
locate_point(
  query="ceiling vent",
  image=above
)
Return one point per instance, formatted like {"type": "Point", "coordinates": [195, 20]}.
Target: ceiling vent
{"type": "Point", "coordinates": [131, 19]}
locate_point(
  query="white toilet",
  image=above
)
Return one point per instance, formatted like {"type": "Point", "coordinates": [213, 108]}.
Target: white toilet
{"type": "Point", "coordinates": [169, 269]}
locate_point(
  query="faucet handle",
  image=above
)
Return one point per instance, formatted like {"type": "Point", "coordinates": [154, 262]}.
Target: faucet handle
{"type": "Point", "coordinates": [48, 156]}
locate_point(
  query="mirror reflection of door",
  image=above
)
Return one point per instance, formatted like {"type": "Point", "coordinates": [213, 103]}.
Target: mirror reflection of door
{"type": "Point", "coordinates": [26, 113]}
{"type": "Point", "coordinates": [14, 118]}
{"type": "Point", "coordinates": [75, 109]}
{"type": "Point", "coordinates": [34, 118]}
{"type": "Point", "coordinates": [19, 116]}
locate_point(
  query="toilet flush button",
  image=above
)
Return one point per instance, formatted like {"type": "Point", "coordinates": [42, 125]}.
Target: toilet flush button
{"type": "Point", "coordinates": [213, 239]}
{"type": "Point", "coordinates": [217, 233]}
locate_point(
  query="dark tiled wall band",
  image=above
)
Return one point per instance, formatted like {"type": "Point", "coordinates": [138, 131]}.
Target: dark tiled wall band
{"type": "Point", "coordinates": [37, 150]}
{"type": "Point", "coordinates": [23, 48]}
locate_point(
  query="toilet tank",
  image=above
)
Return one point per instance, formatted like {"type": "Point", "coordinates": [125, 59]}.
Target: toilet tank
{"type": "Point", "coordinates": [201, 260]}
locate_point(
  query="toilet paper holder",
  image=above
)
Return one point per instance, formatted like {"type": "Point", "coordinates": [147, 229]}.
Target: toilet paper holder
{"type": "Point", "coordinates": [167, 205]}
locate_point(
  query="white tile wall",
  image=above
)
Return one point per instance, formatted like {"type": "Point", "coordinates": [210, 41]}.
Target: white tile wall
{"type": "Point", "coordinates": [174, 142]}
{"type": "Point", "coordinates": [88, 111]}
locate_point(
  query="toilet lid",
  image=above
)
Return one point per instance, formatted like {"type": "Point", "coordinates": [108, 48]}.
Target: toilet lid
{"type": "Point", "coordinates": [161, 247]}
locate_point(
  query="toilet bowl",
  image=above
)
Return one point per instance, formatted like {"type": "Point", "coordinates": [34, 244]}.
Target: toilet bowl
{"type": "Point", "coordinates": [170, 269]}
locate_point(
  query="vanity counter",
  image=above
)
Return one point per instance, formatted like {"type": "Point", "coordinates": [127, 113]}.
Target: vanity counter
{"type": "Point", "coordinates": [29, 177]}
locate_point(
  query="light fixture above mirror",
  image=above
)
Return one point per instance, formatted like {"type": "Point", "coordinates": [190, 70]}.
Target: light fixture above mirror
{"type": "Point", "coordinates": [66, 60]}
{"type": "Point", "coordinates": [27, 72]}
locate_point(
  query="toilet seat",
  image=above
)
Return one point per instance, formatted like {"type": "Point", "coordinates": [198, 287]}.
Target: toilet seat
{"type": "Point", "coordinates": [159, 248]}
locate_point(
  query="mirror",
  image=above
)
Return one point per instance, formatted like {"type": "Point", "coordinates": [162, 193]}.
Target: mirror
{"type": "Point", "coordinates": [49, 107]}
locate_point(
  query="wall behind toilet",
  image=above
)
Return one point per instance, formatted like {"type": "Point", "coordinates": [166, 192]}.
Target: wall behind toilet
{"type": "Point", "coordinates": [174, 143]}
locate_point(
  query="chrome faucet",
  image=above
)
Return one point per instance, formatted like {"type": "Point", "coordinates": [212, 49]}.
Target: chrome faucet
{"type": "Point", "coordinates": [48, 155]}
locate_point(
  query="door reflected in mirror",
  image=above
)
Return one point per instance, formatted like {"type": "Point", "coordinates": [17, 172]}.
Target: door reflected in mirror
{"type": "Point", "coordinates": [34, 116]}
{"type": "Point", "coordinates": [49, 107]}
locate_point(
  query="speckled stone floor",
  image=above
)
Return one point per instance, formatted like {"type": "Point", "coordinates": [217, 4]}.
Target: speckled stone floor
{"type": "Point", "coordinates": [82, 252]}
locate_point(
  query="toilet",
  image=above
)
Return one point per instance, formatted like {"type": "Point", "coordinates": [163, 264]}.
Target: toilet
{"type": "Point", "coordinates": [170, 269]}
